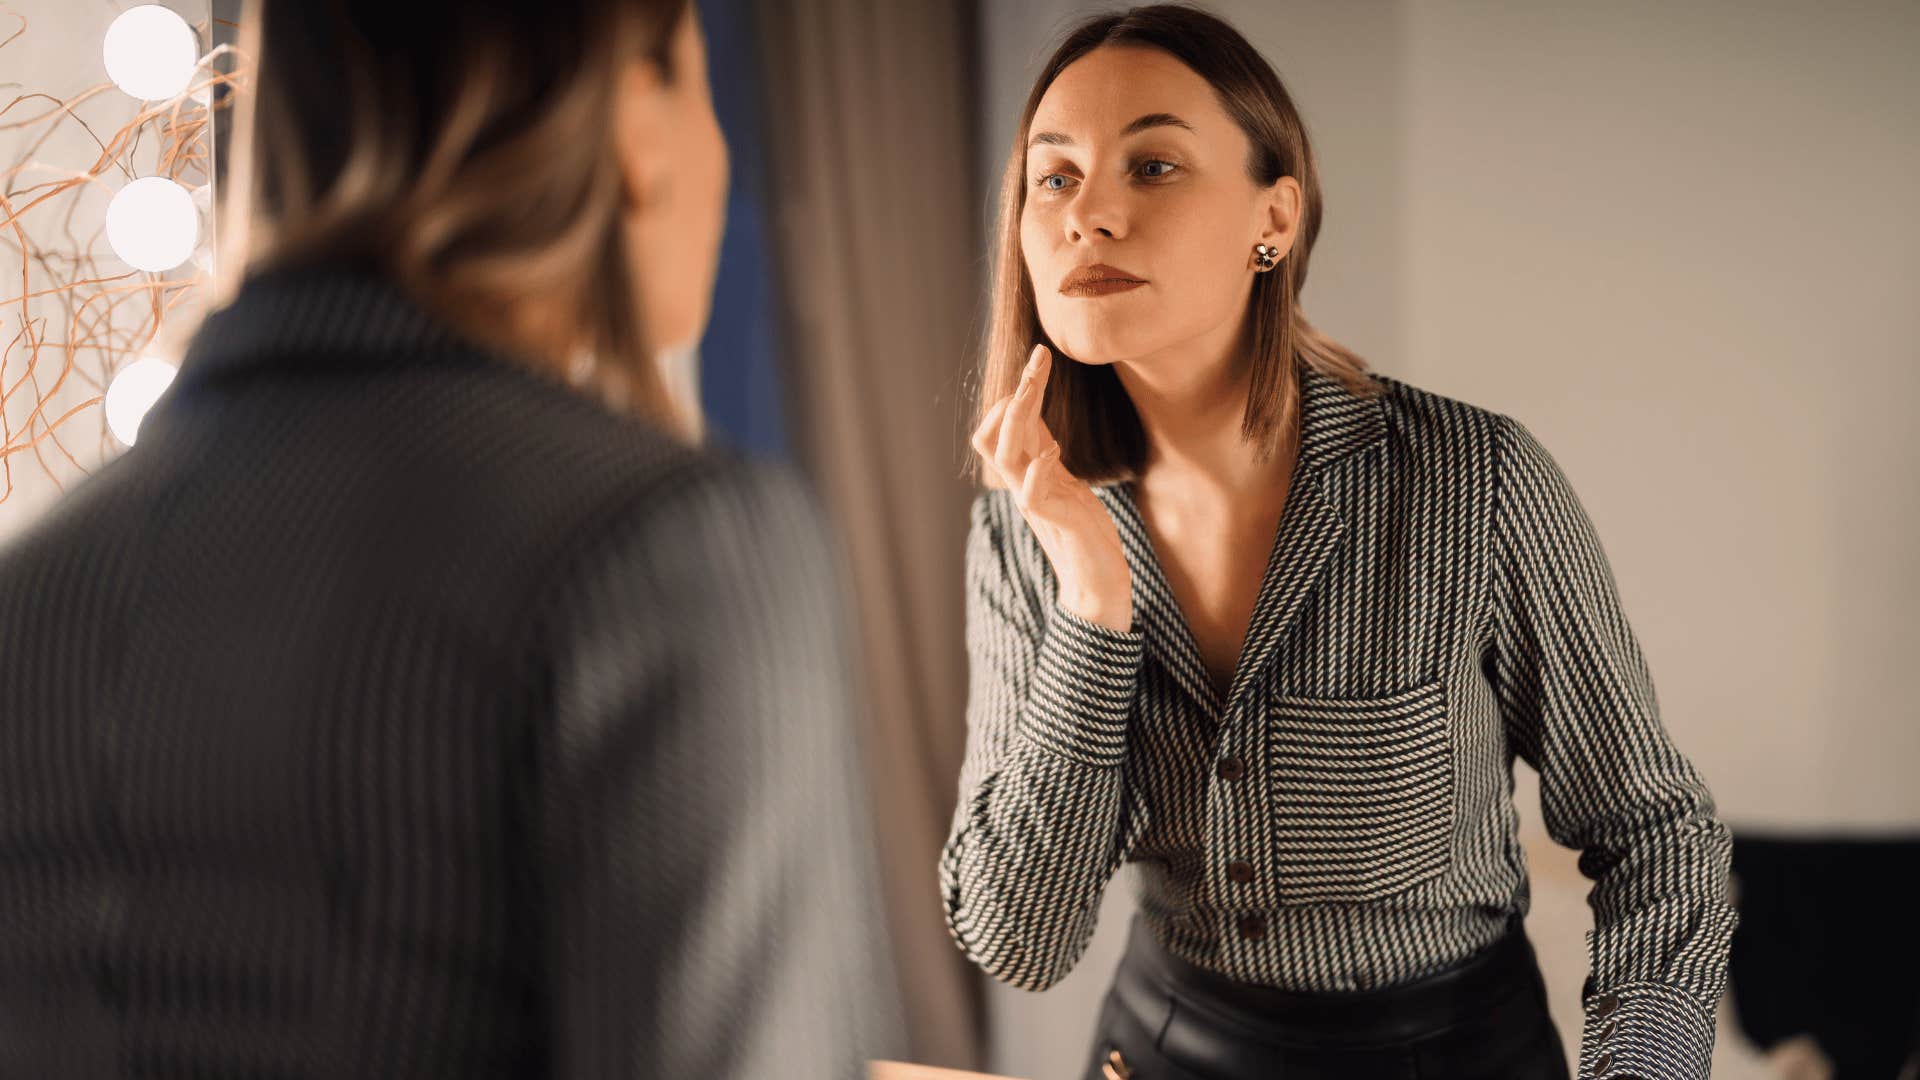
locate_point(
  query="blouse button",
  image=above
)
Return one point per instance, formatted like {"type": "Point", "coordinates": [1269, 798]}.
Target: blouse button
{"type": "Point", "coordinates": [1253, 927]}
{"type": "Point", "coordinates": [1605, 1004]}
{"type": "Point", "coordinates": [1232, 768]}
{"type": "Point", "coordinates": [1240, 871]}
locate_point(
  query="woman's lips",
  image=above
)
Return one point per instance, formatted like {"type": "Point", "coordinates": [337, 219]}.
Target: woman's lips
{"type": "Point", "coordinates": [1099, 279]}
{"type": "Point", "coordinates": [1101, 287]}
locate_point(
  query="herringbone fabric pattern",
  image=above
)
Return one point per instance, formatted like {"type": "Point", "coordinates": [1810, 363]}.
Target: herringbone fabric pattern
{"type": "Point", "coordinates": [1437, 603]}
{"type": "Point", "coordinates": [389, 711]}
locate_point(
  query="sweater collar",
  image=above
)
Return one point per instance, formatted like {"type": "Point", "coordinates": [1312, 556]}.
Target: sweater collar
{"type": "Point", "coordinates": [321, 317]}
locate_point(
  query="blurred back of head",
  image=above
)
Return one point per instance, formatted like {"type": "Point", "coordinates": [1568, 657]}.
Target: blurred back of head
{"type": "Point", "coordinates": [465, 149]}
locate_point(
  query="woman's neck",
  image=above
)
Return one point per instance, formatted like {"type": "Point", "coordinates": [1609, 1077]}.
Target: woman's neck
{"type": "Point", "coordinates": [1192, 401]}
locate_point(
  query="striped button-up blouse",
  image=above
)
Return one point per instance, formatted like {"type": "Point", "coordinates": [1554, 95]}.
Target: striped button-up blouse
{"type": "Point", "coordinates": [1437, 602]}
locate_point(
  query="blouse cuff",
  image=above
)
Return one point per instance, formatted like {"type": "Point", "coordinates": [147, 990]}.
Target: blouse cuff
{"type": "Point", "coordinates": [1646, 1029]}
{"type": "Point", "coordinates": [1083, 687]}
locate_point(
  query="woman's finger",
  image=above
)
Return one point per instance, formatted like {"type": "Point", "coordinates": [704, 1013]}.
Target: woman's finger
{"type": "Point", "coordinates": [1039, 471]}
{"type": "Point", "coordinates": [986, 437]}
{"type": "Point", "coordinates": [1038, 438]}
{"type": "Point", "coordinates": [1017, 444]}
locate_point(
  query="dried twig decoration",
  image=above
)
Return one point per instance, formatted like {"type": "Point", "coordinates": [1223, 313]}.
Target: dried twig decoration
{"type": "Point", "coordinates": [77, 314]}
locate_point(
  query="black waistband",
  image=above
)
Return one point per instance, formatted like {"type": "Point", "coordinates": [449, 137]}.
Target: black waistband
{"type": "Point", "coordinates": [1408, 1010]}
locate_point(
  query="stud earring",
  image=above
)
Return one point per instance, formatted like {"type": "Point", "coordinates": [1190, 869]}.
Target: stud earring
{"type": "Point", "coordinates": [1265, 257]}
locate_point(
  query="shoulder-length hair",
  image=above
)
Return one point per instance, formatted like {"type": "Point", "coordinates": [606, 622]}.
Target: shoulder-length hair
{"type": "Point", "coordinates": [464, 150]}
{"type": "Point", "coordinates": [1086, 408]}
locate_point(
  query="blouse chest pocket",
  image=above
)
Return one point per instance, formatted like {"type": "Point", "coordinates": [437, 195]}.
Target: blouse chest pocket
{"type": "Point", "coordinates": [1362, 793]}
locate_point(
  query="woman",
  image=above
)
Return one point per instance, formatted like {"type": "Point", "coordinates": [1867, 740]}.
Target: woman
{"type": "Point", "coordinates": [398, 707]}
{"type": "Point", "coordinates": [1272, 628]}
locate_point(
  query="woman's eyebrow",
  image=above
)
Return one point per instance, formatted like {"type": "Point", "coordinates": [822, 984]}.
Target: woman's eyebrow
{"type": "Point", "coordinates": [1150, 120]}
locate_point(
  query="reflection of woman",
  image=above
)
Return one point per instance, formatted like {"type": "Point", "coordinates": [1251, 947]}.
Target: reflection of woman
{"type": "Point", "coordinates": [395, 707]}
{"type": "Point", "coordinates": [1273, 628]}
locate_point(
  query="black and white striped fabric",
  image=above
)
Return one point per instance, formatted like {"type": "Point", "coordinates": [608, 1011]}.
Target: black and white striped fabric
{"type": "Point", "coordinates": [1437, 603]}
{"type": "Point", "coordinates": [391, 711]}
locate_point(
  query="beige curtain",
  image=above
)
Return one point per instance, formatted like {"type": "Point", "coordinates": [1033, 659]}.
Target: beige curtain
{"type": "Point", "coordinates": [875, 204]}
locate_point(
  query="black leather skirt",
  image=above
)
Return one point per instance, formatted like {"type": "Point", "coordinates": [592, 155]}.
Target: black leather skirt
{"type": "Point", "coordinates": [1166, 1019]}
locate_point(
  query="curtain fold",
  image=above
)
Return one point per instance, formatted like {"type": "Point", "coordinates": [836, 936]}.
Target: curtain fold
{"type": "Point", "coordinates": [875, 203]}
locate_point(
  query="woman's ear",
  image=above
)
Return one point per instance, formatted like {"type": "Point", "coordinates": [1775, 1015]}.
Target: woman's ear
{"type": "Point", "coordinates": [640, 118]}
{"type": "Point", "coordinates": [1281, 205]}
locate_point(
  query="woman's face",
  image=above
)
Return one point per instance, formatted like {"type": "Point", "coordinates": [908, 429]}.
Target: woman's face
{"type": "Point", "coordinates": [1133, 165]}
{"type": "Point", "coordinates": [675, 164]}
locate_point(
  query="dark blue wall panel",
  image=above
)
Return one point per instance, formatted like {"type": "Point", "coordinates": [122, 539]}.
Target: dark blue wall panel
{"type": "Point", "coordinates": [741, 361]}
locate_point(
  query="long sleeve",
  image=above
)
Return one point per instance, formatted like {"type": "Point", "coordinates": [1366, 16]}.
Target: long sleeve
{"type": "Point", "coordinates": [704, 827]}
{"type": "Point", "coordinates": [1578, 703]}
{"type": "Point", "coordinates": [1045, 815]}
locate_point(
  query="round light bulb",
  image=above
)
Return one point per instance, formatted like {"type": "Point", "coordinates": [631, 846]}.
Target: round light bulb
{"type": "Point", "coordinates": [132, 392]}
{"type": "Point", "coordinates": [153, 224]}
{"type": "Point", "coordinates": [151, 52]}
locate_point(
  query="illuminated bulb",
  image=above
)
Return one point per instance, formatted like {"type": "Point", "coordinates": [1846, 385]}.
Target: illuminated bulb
{"type": "Point", "coordinates": [153, 224]}
{"type": "Point", "coordinates": [132, 392]}
{"type": "Point", "coordinates": [151, 52]}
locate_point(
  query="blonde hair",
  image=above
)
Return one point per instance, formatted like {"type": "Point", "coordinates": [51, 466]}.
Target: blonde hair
{"type": "Point", "coordinates": [1086, 408]}
{"type": "Point", "coordinates": [466, 155]}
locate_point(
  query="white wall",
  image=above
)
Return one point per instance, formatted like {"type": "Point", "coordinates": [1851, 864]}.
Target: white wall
{"type": "Point", "coordinates": [1692, 269]}
{"type": "Point", "coordinates": [1678, 242]}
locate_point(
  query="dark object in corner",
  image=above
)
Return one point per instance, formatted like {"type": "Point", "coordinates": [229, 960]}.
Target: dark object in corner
{"type": "Point", "coordinates": [1828, 944]}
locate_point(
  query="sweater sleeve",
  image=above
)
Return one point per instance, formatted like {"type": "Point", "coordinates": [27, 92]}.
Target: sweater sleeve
{"type": "Point", "coordinates": [1045, 815]}
{"type": "Point", "coordinates": [1578, 703]}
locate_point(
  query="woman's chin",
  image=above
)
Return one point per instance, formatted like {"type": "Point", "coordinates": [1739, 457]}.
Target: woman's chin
{"type": "Point", "coordinates": [1095, 349]}
{"type": "Point", "coordinates": [1091, 344]}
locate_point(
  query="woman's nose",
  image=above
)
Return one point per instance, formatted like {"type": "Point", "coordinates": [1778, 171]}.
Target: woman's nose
{"type": "Point", "coordinates": [1095, 210]}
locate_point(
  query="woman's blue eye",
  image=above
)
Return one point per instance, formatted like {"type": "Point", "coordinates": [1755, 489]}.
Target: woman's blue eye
{"type": "Point", "coordinates": [1152, 170]}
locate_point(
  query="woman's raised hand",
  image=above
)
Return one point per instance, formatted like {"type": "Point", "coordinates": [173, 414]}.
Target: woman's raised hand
{"type": "Point", "coordinates": [1071, 523]}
